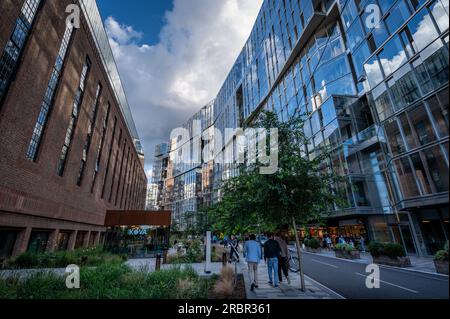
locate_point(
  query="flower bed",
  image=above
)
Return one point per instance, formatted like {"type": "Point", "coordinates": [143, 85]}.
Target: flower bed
{"type": "Point", "coordinates": [389, 254]}
{"type": "Point", "coordinates": [346, 251]}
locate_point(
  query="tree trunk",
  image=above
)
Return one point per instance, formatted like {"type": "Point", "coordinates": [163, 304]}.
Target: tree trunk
{"type": "Point", "coordinates": [299, 256]}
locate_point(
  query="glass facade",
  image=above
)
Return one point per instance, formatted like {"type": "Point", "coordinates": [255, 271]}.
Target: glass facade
{"type": "Point", "coordinates": [375, 91]}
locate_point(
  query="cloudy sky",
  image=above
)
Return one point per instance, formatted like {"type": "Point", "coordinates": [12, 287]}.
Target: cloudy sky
{"type": "Point", "coordinates": [173, 56]}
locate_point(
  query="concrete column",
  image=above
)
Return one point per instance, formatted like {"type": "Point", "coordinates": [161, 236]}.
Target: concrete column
{"type": "Point", "coordinates": [53, 241]}
{"type": "Point", "coordinates": [87, 239]}
{"type": "Point", "coordinates": [72, 240]}
{"type": "Point", "coordinates": [97, 239]}
{"type": "Point", "coordinates": [22, 240]}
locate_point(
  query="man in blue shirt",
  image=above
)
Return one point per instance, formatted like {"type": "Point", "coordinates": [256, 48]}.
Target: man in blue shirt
{"type": "Point", "coordinates": [253, 255]}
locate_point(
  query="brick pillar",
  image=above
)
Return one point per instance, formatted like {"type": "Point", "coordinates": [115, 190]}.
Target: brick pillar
{"type": "Point", "coordinates": [87, 239]}
{"type": "Point", "coordinates": [22, 240]}
{"type": "Point", "coordinates": [97, 239]}
{"type": "Point", "coordinates": [72, 240]}
{"type": "Point", "coordinates": [53, 241]}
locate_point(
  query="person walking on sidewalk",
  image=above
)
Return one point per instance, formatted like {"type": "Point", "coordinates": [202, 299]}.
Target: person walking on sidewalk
{"type": "Point", "coordinates": [283, 259]}
{"type": "Point", "coordinates": [253, 255]}
{"type": "Point", "coordinates": [272, 251]}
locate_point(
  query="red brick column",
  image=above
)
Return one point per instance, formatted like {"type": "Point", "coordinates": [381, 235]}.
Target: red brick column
{"type": "Point", "coordinates": [72, 240]}
{"type": "Point", "coordinates": [87, 239]}
{"type": "Point", "coordinates": [21, 244]}
{"type": "Point", "coordinates": [53, 241]}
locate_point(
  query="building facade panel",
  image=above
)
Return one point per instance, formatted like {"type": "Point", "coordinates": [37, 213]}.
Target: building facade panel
{"type": "Point", "coordinates": [32, 188]}
{"type": "Point", "coordinates": [373, 88]}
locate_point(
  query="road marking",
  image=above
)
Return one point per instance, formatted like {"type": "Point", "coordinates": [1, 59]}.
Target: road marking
{"type": "Point", "coordinates": [423, 274]}
{"type": "Point", "coordinates": [321, 262]}
{"type": "Point", "coordinates": [389, 283]}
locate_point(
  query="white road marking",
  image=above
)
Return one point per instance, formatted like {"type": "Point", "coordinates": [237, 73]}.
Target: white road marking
{"type": "Point", "coordinates": [320, 262]}
{"type": "Point", "coordinates": [389, 283]}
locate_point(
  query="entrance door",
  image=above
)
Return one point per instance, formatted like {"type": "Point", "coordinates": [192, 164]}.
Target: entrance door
{"type": "Point", "coordinates": [403, 236]}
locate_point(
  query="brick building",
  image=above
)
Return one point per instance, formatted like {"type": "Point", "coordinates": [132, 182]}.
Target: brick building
{"type": "Point", "coordinates": [69, 150]}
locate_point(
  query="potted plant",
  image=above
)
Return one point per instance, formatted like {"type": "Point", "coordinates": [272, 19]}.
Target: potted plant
{"type": "Point", "coordinates": [312, 245]}
{"type": "Point", "coordinates": [441, 260]}
{"type": "Point", "coordinates": [346, 251]}
{"type": "Point", "coordinates": [389, 254]}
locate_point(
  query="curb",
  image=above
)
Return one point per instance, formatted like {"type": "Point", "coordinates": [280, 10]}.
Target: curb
{"type": "Point", "coordinates": [328, 290]}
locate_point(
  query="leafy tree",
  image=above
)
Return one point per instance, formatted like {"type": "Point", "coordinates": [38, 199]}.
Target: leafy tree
{"type": "Point", "coordinates": [302, 190]}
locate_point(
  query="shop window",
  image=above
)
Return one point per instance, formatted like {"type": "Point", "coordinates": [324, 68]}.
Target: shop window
{"type": "Point", "coordinates": [63, 241]}
{"type": "Point", "coordinates": [38, 241]}
{"type": "Point", "coordinates": [7, 241]}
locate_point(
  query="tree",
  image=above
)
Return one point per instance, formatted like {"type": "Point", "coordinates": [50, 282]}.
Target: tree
{"type": "Point", "coordinates": [302, 190]}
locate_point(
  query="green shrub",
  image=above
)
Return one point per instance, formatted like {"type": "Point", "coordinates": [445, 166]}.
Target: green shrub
{"type": "Point", "coordinates": [441, 255]}
{"type": "Point", "coordinates": [111, 282]}
{"type": "Point", "coordinates": [93, 257]}
{"type": "Point", "coordinates": [376, 249]}
{"type": "Point", "coordinates": [345, 248]}
{"type": "Point", "coordinates": [394, 251]}
{"type": "Point", "coordinates": [390, 250]}
{"type": "Point", "coordinates": [312, 243]}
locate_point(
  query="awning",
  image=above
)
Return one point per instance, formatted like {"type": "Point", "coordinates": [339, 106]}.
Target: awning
{"type": "Point", "coordinates": [138, 218]}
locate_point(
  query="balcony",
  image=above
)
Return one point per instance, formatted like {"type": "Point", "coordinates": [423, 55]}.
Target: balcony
{"type": "Point", "coordinates": [363, 140]}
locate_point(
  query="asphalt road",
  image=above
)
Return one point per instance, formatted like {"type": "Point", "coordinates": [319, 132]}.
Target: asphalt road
{"type": "Point", "coordinates": [349, 280]}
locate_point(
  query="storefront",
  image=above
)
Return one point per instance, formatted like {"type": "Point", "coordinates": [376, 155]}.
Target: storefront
{"type": "Point", "coordinates": [138, 234]}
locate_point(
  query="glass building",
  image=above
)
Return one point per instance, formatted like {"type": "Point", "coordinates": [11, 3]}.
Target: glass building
{"type": "Point", "coordinates": [372, 77]}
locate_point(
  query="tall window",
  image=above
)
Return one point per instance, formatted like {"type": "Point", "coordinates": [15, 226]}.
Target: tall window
{"type": "Point", "coordinates": [109, 156]}
{"type": "Point", "coordinates": [16, 43]}
{"type": "Point", "coordinates": [100, 147]}
{"type": "Point", "coordinates": [47, 103]}
{"type": "Point", "coordinates": [87, 145]}
{"type": "Point", "coordinates": [74, 117]}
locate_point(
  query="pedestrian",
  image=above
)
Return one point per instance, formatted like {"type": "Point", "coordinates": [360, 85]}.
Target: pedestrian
{"type": "Point", "coordinates": [272, 251]}
{"type": "Point", "coordinates": [329, 242]}
{"type": "Point", "coordinates": [362, 244]}
{"type": "Point", "coordinates": [252, 254]}
{"type": "Point", "coordinates": [283, 259]}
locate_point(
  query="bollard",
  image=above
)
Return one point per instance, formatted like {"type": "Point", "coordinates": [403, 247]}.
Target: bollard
{"type": "Point", "coordinates": [158, 262]}
{"type": "Point", "coordinates": [165, 257]}
{"type": "Point", "coordinates": [224, 259]}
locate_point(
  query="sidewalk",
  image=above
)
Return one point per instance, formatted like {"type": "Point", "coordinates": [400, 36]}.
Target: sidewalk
{"type": "Point", "coordinates": [419, 264]}
{"type": "Point", "coordinates": [314, 290]}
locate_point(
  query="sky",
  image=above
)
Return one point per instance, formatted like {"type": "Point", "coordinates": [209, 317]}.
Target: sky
{"type": "Point", "coordinates": [173, 56]}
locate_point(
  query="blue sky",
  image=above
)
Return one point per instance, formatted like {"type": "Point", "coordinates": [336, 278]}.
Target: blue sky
{"type": "Point", "coordinates": [146, 16]}
{"type": "Point", "coordinates": [173, 56]}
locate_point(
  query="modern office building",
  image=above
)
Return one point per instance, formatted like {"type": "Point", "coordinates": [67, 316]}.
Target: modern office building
{"type": "Point", "coordinates": [370, 79]}
{"type": "Point", "coordinates": [187, 184]}
{"type": "Point", "coordinates": [69, 149]}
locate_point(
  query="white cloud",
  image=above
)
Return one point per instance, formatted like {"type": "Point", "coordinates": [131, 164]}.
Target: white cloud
{"type": "Point", "coordinates": [167, 82]}
{"type": "Point", "coordinates": [121, 34]}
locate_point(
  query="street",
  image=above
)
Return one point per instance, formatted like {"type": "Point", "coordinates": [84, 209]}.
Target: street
{"type": "Point", "coordinates": [348, 279]}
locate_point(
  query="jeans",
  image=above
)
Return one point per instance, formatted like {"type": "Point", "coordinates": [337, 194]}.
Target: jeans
{"type": "Point", "coordinates": [272, 264]}
{"type": "Point", "coordinates": [282, 266]}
